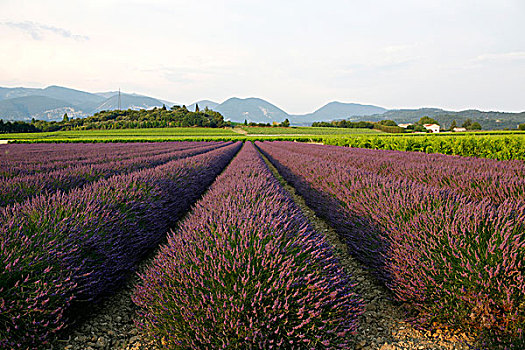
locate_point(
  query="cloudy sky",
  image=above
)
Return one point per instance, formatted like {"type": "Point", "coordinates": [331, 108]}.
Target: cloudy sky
{"type": "Point", "coordinates": [297, 54]}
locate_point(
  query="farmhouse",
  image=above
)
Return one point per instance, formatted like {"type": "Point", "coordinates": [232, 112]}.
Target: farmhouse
{"type": "Point", "coordinates": [404, 125]}
{"type": "Point", "coordinates": [433, 128]}
{"type": "Point", "coordinates": [459, 129]}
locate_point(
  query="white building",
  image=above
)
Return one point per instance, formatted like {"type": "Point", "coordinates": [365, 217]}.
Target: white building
{"type": "Point", "coordinates": [459, 129]}
{"type": "Point", "coordinates": [433, 128]}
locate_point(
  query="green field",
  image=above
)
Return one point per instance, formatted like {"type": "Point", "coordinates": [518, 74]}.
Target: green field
{"type": "Point", "coordinates": [117, 134]}
{"type": "Point", "coordinates": [307, 130]}
{"type": "Point", "coordinates": [187, 133]}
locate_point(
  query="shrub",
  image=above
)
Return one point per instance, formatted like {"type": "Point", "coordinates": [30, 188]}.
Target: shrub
{"type": "Point", "coordinates": [245, 270]}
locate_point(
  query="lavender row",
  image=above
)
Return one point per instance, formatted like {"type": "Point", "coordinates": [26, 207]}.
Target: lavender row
{"type": "Point", "coordinates": [246, 270]}
{"type": "Point", "coordinates": [21, 188]}
{"type": "Point", "coordinates": [450, 258]}
{"type": "Point", "coordinates": [27, 159]}
{"type": "Point", "coordinates": [60, 253]}
{"type": "Point", "coordinates": [473, 177]}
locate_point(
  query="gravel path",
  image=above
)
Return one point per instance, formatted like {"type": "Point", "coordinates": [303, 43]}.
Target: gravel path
{"type": "Point", "coordinates": [382, 326]}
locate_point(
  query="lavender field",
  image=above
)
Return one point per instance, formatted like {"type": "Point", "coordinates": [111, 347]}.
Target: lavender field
{"type": "Point", "coordinates": [237, 263]}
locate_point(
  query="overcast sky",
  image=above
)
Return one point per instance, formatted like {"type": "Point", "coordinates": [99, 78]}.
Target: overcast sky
{"type": "Point", "coordinates": [299, 55]}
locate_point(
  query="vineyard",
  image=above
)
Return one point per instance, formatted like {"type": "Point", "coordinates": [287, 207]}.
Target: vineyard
{"type": "Point", "coordinates": [225, 257]}
{"type": "Point", "coordinates": [486, 145]}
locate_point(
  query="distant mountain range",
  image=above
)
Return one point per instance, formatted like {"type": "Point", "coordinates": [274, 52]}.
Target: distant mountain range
{"type": "Point", "coordinates": [260, 111]}
{"type": "Point", "coordinates": [52, 102]}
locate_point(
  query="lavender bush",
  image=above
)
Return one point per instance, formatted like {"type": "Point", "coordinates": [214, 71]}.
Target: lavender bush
{"type": "Point", "coordinates": [20, 188]}
{"type": "Point", "coordinates": [451, 257]}
{"type": "Point", "coordinates": [64, 251]}
{"type": "Point", "coordinates": [245, 270]}
{"type": "Point", "coordinates": [473, 177]}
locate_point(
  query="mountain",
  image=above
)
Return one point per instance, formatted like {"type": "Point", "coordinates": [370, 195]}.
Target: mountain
{"type": "Point", "coordinates": [70, 96]}
{"type": "Point", "coordinates": [338, 110]}
{"type": "Point", "coordinates": [74, 97]}
{"type": "Point", "coordinates": [250, 109]}
{"type": "Point", "coordinates": [488, 120]}
{"type": "Point", "coordinates": [110, 94]}
{"type": "Point", "coordinates": [107, 94]}
{"type": "Point", "coordinates": [203, 104]}
{"type": "Point", "coordinates": [7, 93]}
{"type": "Point", "coordinates": [127, 101]}
{"type": "Point", "coordinates": [39, 107]}
{"type": "Point", "coordinates": [52, 102]}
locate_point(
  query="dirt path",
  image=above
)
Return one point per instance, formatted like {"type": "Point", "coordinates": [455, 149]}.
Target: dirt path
{"type": "Point", "coordinates": [240, 131]}
{"type": "Point", "coordinates": [382, 325]}
{"type": "Point", "coordinates": [110, 325]}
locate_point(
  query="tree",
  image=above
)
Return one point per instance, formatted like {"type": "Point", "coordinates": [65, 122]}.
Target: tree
{"type": "Point", "coordinates": [65, 118]}
{"type": "Point", "coordinates": [427, 120]}
{"type": "Point", "coordinates": [388, 123]}
{"type": "Point", "coordinates": [521, 126]}
{"type": "Point", "coordinates": [467, 123]}
{"type": "Point", "coordinates": [475, 126]}
{"type": "Point", "coordinates": [453, 125]}
{"type": "Point", "coordinates": [197, 107]}
{"type": "Point", "coordinates": [245, 122]}
{"type": "Point", "coordinates": [286, 123]}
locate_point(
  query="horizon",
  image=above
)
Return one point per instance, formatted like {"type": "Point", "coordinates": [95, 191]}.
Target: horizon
{"type": "Point", "coordinates": [265, 99]}
{"type": "Point", "coordinates": [298, 55]}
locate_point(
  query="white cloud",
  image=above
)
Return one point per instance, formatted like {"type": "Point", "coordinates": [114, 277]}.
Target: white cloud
{"type": "Point", "coordinates": [503, 56]}
{"type": "Point", "coordinates": [39, 31]}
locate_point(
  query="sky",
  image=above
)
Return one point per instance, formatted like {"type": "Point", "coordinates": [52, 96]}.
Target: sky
{"type": "Point", "coordinates": [297, 54]}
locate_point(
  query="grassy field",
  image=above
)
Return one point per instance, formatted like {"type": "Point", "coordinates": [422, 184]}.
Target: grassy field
{"type": "Point", "coordinates": [178, 134]}
{"type": "Point", "coordinates": [306, 130]}
{"type": "Point", "coordinates": [127, 134]}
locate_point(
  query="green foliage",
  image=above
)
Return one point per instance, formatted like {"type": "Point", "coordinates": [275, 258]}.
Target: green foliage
{"type": "Point", "coordinates": [501, 147]}
{"type": "Point", "coordinates": [344, 124]}
{"type": "Point", "coordinates": [475, 126]}
{"type": "Point", "coordinates": [136, 119]}
{"type": "Point", "coordinates": [391, 129]}
{"type": "Point", "coordinates": [521, 126]}
{"type": "Point", "coordinates": [14, 127]}
{"type": "Point", "coordinates": [467, 123]}
{"type": "Point", "coordinates": [427, 120]}
{"type": "Point", "coordinates": [285, 123]}
{"type": "Point", "coordinates": [453, 125]}
{"type": "Point", "coordinates": [387, 123]}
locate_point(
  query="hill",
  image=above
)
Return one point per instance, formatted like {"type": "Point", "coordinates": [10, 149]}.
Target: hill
{"type": "Point", "coordinates": [338, 110]}
{"type": "Point", "coordinates": [38, 107]}
{"type": "Point", "coordinates": [127, 101]}
{"type": "Point", "coordinates": [52, 102]}
{"type": "Point", "coordinates": [250, 109]}
{"type": "Point", "coordinates": [488, 120]}
{"type": "Point", "coordinates": [202, 105]}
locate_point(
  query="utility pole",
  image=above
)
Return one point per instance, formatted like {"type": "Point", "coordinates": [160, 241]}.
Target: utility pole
{"type": "Point", "coordinates": [119, 99]}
